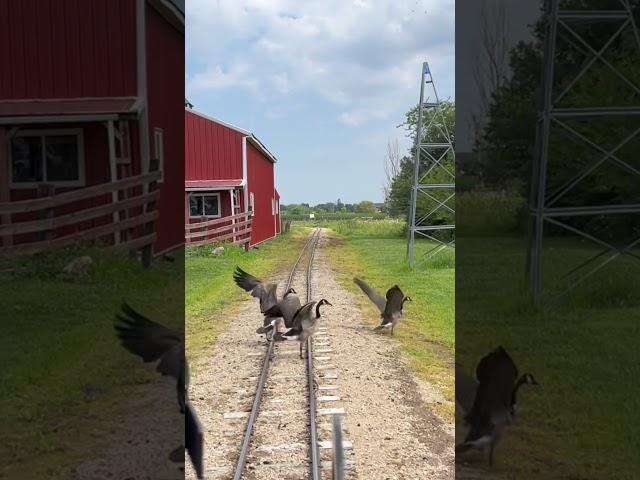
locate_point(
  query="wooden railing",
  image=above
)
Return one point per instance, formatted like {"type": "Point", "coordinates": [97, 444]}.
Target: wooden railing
{"type": "Point", "coordinates": [235, 229]}
{"type": "Point", "coordinates": [125, 216]}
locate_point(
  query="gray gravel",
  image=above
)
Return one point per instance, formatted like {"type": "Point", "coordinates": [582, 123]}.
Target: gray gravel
{"type": "Point", "coordinates": [395, 434]}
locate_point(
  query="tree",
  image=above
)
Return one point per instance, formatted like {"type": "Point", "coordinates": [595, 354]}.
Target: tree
{"type": "Point", "coordinates": [398, 195]}
{"type": "Point", "coordinates": [392, 164]}
{"type": "Point", "coordinates": [366, 206]}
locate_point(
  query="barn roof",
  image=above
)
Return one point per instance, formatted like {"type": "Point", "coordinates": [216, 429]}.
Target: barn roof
{"type": "Point", "coordinates": [213, 184]}
{"type": "Point", "coordinates": [251, 138]}
{"type": "Point", "coordinates": [60, 108]}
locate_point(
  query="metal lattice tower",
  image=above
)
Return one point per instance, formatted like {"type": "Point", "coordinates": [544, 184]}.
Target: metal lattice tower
{"type": "Point", "coordinates": [558, 111]}
{"type": "Point", "coordinates": [433, 175]}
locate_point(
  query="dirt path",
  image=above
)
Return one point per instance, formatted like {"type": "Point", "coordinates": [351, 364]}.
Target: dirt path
{"type": "Point", "coordinates": [394, 434]}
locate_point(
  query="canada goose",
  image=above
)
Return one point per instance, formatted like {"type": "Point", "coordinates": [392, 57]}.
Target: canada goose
{"type": "Point", "coordinates": [152, 341]}
{"type": "Point", "coordinates": [265, 292]}
{"type": "Point", "coordinates": [390, 307]}
{"type": "Point", "coordinates": [494, 403]}
{"type": "Point", "coordinates": [304, 323]}
{"type": "Point", "coordinates": [285, 309]}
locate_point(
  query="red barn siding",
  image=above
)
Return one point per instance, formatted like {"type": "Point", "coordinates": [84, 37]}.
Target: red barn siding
{"type": "Point", "coordinates": [165, 54]}
{"type": "Point", "coordinates": [212, 151]}
{"type": "Point", "coordinates": [261, 183]}
{"type": "Point", "coordinates": [67, 48]}
{"type": "Point", "coordinates": [278, 224]}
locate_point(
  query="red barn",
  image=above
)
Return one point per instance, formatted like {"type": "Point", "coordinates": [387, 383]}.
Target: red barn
{"type": "Point", "coordinates": [91, 131]}
{"type": "Point", "coordinates": [229, 182]}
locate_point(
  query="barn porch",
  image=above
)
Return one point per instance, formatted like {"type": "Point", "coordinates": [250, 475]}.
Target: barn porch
{"type": "Point", "coordinates": [69, 174]}
{"type": "Point", "coordinates": [214, 210]}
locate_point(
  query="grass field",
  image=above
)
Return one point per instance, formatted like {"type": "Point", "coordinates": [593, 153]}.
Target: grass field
{"type": "Point", "coordinates": [210, 288]}
{"type": "Point", "coordinates": [583, 351]}
{"type": "Point", "coordinates": [376, 252]}
{"type": "Point", "coordinates": [58, 350]}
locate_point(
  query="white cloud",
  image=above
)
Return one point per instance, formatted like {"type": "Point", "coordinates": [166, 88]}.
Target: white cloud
{"type": "Point", "coordinates": [361, 55]}
{"type": "Point", "coordinates": [355, 118]}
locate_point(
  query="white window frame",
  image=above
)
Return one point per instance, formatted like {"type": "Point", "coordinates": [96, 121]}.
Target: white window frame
{"type": "Point", "coordinates": [273, 206]}
{"type": "Point", "coordinates": [206, 194]}
{"type": "Point", "coordinates": [252, 204]}
{"type": "Point", "coordinates": [158, 150]}
{"type": "Point", "coordinates": [45, 132]}
{"type": "Point", "coordinates": [123, 142]}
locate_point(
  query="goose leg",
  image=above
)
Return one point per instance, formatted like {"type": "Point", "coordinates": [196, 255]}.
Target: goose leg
{"type": "Point", "coordinates": [491, 447]}
{"type": "Point", "coordinates": [301, 350]}
{"type": "Point", "coordinates": [392, 325]}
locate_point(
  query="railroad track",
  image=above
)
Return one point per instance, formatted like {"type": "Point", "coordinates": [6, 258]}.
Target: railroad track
{"type": "Point", "coordinates": [281, 432]}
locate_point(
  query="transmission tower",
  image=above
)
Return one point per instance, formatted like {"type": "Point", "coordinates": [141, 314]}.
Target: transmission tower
{"type": "Point", "coordinates": [564, 115]}
{"type": "Point", "coordinates": [432, 207]}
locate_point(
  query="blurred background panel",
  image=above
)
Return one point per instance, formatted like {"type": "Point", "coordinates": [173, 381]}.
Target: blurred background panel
{"type": "Point", "coordinates": [91, 216]}
{"type": "Point", "coordinates": [548, 228]}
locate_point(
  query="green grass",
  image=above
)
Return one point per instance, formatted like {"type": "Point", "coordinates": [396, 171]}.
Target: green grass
{"type": "Point", "coordinates": [583, 351]}
{"type": "Point", "coordinates": [210, 289]}
{"type": "Point", "coordinates": [427, 331]}
{"type": "Point", "coordinates": [58, 350]}
{"type": "Point", "coordinates": [381, 228]}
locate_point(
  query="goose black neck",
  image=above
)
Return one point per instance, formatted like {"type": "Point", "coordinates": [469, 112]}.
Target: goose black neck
{"type": "Point", "coordinates": [318, 310]}
{"type": "Point", "coordinates": [521, 381]}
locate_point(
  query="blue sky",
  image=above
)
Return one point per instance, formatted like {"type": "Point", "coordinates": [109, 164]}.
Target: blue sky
{"type": "Point", "coordinates": [323, 84]}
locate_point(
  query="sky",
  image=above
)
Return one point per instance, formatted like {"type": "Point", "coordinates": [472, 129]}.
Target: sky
{"type": "Point", "coordinates": [521, 15]}
{"type": "Point", "coordinates": [323, 84]}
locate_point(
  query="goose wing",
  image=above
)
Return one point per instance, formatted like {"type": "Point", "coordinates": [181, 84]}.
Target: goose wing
{"type": "Point", "coordinates": [374, 296]}
{"type": "Point", "coordinates": [245, 280]}
{"type": "Point", "coordinates": [302, 316]}
{"type": "Point", "coordinates": [496, 375]}
{"type": "Point", "coordinates": [466, 387]}
{"type": "Point", "coordinates": [393, 302]}
{"type": "Point", "coordinates": [150, 341]}
{"type": "Point", "coordinates": [194, 439]}
{"type": "Point", "coordinates": [268, 297]}
{"type": "Point", "coordinates": [288, 307]}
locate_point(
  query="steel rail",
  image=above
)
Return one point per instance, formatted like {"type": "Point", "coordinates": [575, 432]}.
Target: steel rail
{"type": "Point", "coordinates": [253, 416]}
{"type": "Point", "coordinates": [313, 427]}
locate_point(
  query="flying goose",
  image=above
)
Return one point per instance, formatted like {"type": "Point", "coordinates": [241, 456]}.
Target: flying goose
{"type": "Point", "coordinates": [152, 342]}
{"type": "Point", "coordinates": [304, 323]}
{"type": "Point", "coordinates": [390, 307]}
{"type": "Point", "coordinates": [265, 292]}
{"type": "Point", "coordinates": [285, 309]}
{"type": "Point", "coordinates": [494, 400]}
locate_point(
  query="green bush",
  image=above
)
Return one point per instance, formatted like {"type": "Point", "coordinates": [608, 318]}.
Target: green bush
{"type": "Point", "coordinates": [490, 213]}
{"type": "Point", "coordinates": [334, 216]}
{"type": "Point", "coordinates": [388, 228]}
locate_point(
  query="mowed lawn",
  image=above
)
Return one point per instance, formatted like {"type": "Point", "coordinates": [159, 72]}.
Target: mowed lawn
{"type": "Point", "coordinates": [59, 355]}
{"type": "Point", "coordinates": [583, 351]}
{"type": "Point", "coordinates": [211, 294]}
{"type": "Point", "coordinates": [374, 252]}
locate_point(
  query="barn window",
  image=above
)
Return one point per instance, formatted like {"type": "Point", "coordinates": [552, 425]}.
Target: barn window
{"type": "Point", "coordinates": [273, 206]}
{"type": "Point", "coordinates": [252, 203]}
{"type": "Point", "coordinates": [204, 205]}
{"type": "Point", "coordinates": [158, 153]}
{"type": "Point", "coordinates": [47, 156]}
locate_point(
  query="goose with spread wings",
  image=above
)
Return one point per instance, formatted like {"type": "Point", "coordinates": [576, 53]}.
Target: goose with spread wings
{"type": "Point", "coordinates": [265, 292]}
{"type": "Point", "coordinates": [390, 307]}
{"type": "Point", "coordinates": [304, 323]}
{"type": "Point", "coordinates": [154, 342]}
{"type": "Point", "coordinates": [489, 401]}
{"type": "Point", "coordinates": [281, 312]}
